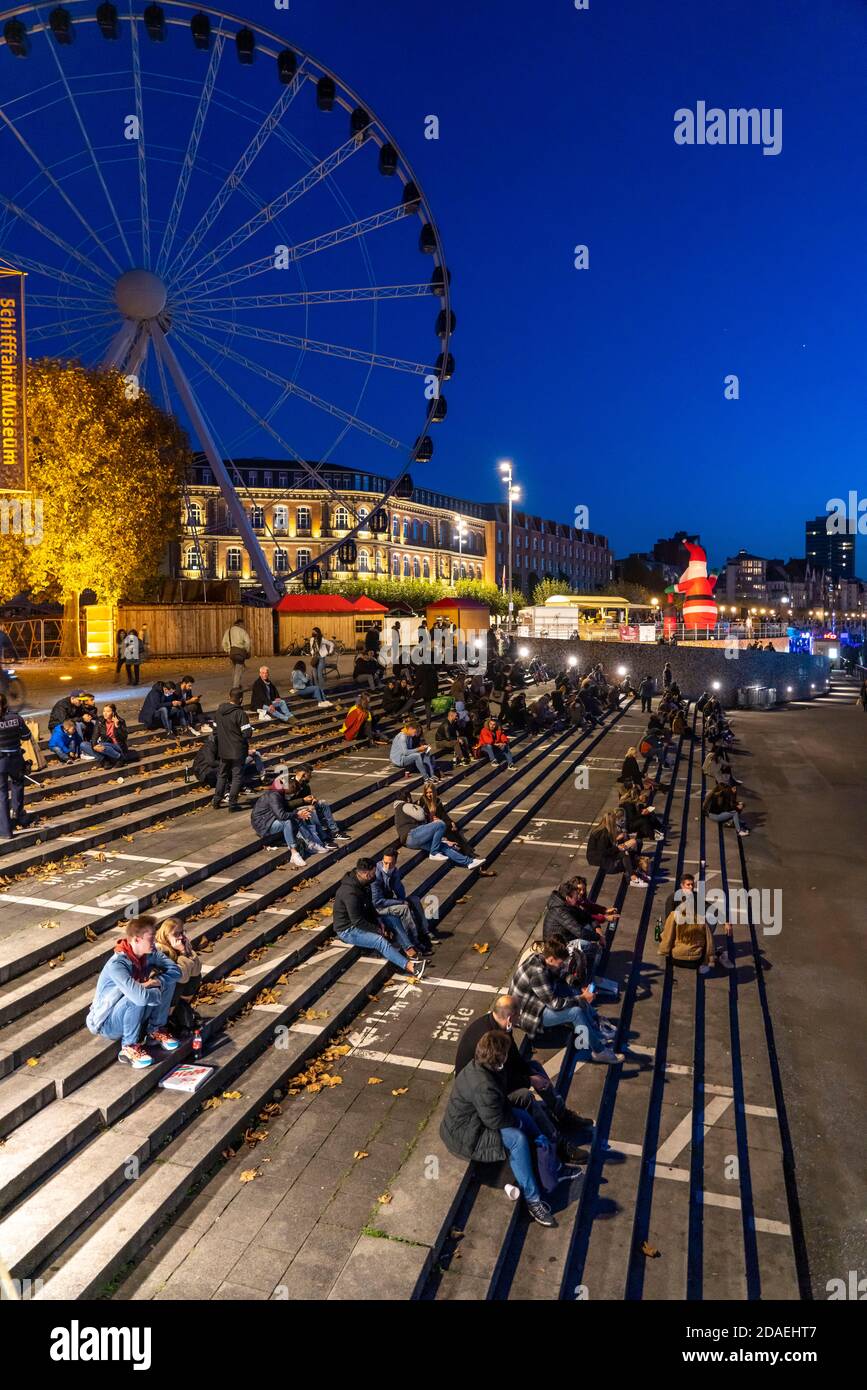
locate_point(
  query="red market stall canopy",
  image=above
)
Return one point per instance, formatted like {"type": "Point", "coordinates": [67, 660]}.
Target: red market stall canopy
{"type": "Point", "coordinates": [314, 603]}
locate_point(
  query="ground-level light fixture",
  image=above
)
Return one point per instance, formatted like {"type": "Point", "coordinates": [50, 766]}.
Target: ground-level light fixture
{"type": "Point", "coordinates": [621, 670]}
{"type": "Point", "coordinates": [833, 653]}
{"type": "Point", "coordinates": [788, 690]}
{"type": "Point", "coordinates": [573, 661]}
{"type": "Point", "coordinates": [715, 685]}
{"type": "Point", "coordinates": [523, 652]}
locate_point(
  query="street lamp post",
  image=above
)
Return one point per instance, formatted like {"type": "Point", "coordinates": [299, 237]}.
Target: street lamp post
{"type": "Point", "coordinates": [462, 531]}
{"type": "Point", "coordinates": [513, 494]}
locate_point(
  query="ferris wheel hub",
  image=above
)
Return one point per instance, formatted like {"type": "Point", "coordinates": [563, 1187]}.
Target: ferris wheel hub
{"type": "Point", "coordinates": [139, 294]}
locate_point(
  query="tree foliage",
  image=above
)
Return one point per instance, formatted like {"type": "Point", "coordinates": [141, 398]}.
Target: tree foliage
{"type": "Point", "coordinates": [418, 593]}
{"type": "Point", "coordinates": [549, 588]}
{"type": "Point", "coordinates": [108, 468]}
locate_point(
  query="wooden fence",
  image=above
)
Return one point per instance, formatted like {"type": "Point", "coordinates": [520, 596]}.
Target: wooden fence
{"type": "Point", "coordinates": [196, 629]}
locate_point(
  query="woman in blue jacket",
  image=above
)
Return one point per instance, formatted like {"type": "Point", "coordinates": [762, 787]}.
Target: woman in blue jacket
{"type": "Point", "coordinates": [134, 994]}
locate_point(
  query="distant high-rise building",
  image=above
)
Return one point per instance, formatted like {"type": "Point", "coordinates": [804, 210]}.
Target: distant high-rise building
{"type": "Point", "coordinates": [834, 553]}
{"type": "Point", "coordinates": [671, 552]}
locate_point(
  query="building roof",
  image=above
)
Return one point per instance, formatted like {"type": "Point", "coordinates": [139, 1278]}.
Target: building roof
{"type": "Point", "coordinates": [460, 602]}
{"type": "Point", "coordinates": [315, 603]}
{"type": "Point", "coordinates": [368, 605]}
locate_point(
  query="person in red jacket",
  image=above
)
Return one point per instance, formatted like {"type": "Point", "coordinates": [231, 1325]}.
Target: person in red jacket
{"type": "Point", "coordinates": [494, 745]}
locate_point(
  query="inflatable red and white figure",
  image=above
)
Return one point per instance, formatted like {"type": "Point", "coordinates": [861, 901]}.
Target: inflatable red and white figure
{"type": "Point", "coordinates": [697, 586]}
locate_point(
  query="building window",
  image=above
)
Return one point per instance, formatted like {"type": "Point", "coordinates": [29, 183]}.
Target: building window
{"type": "Point", "coordinates": [362, 518]}
{"type": "Point", "coordinates": [416, 568]}
{"type": "Point", "coordinates": [234, 562]}
{"type": "Point", "coordinates": [281, 561]}
{"type": "Point", "coordinates": [283, 479]}
{"type": "Point", "coordinates": [281, 518]}
{"type": "Point", "coordinates": [191, 559]}
{"type": "Point", "coordinates": [341, 519]}
{"type": "Point", "coordinates": [302, 521]}
{"type": "Point", "coordinates": [380, 562]}
{"type": "Point", "coordinates": [406, 567]}
{"type": "Point", "coordinates": [257, 516]}
{"type": "Point", "coordinates": [405, 530]}
{"type": "Point", "coordinates": [194, 514]}
{"type": "Point", "coordinates": [395, 566]}
{"type": "Point", "coordinates": [426, 568]}
{"type": "Point", "coordinates": [363, 562]}
{"type": "Point", "coordinates": [253, 478]}
{"type": "Point", "coordinates": [395, 528]}
{"type": "Point", "coordinates": [268, 479]}
{"type": "Point", "coordinates": [302, 559]}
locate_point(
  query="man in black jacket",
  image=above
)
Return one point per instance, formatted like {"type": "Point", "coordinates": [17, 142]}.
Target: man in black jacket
{"type": "Point", "coordinates": [316, 813]}
{"type": "Point", "coordinates": [426, 687]}
{"type": "Point", "coordinates": [279, 811]}
{"type": "Point", "coordinates": [233, 730]}
{"type": "Point", "coordinates": [266, 698]}
{"type": "Point", "coordinates": [71, 707]}
{"type": "Point", "coordinates": [356, 922]}
{"type": "Point", "coordinates": [571, 915]}
{"type": "Point", "coordinates": [163, 708]}
{"type": "Point", "coordinates": [528, 1085]}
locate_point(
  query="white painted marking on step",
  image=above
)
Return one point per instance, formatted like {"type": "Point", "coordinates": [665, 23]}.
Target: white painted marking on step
{"type": "Point", "coordinates": [765, 1112]}
{"type": "Point", "coordinates": [136, 858]}
{"type": "Point", "coordinates": [459, 984]}
{"type": "Point", "coordinates": [681, 1135]}
{"type": "Point", "coordinates": [417, 1063]}
{"type": "Point", "coordinates": [309, 1028]}
{"type": "Point", "coordinates": [45, 902]}
{"type": "Point", "coordinates": [771, 1228]}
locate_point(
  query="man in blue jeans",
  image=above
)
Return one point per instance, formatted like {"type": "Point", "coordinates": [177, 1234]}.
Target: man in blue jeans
{"type": "Point", "coordinates": [480, 1125]}
{"type": "Point", "coordinates": [315, 813]}
{"type": "Point", "coordinates": [545, 999]}
{"type": "Point", "coordinates": [356, 922]}
{"type": "Point", "coordinates": [406, 753]}
{"type": "Point", "coordinates": [394, 906]}
{"type": "Point", "coordinates": [417, 832]}
{"type": "Point", "coordinates": [134, 995]}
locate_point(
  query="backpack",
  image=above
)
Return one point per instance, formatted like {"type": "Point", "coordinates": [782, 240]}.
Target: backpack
{"type": "Point", "coordinates": [645, 747]}
{"type": "Point", "coordinates": [441, 704]}
{"type": "Point", "coordinates": [597, 842]}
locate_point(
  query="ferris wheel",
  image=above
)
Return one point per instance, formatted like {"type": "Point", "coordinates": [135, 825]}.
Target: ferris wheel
{"type": "Point", "coordinates": [218, 216]}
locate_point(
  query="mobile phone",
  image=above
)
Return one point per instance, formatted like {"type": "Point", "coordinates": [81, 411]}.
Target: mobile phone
{"type": "Point", "coordinates": [591, 988]}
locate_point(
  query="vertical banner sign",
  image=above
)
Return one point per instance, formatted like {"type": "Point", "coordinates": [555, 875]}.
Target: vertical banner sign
{"type": "Point", "coordinates": [13, 425]}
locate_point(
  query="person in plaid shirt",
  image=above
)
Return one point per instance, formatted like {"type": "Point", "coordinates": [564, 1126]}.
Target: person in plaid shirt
{"type": "Point", "coordinates": [546, 1000]}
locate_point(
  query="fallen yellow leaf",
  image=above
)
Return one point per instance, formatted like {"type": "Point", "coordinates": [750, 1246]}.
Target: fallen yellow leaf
{"type": "Point", "coordinates": [401, 1091]}
{"type": "Point", "coordinates": [384, 1199]}
{"type": "Point", "coordinates": [231, 1095]}
{"type": "Point", "coordinates": [33, 1061]}
{"type": "Point", "coordinates": [374, 1081]}
{"type": "Point", "coordinates": [361, 1153]}
{"type": "Point", "coordinates": [249, 1175]}
{"type": "Point", "coordinates": [482, 947]}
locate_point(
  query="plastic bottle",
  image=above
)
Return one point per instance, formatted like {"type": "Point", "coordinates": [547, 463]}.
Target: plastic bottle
{"type": "Point", "coordinates": [197, 1044]}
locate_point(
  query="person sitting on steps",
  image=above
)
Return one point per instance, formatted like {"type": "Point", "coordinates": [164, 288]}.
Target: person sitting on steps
{"type": "Point", "coordinates": [545, 999]}
{"type": "Point", "coordinates": [417, 828]}
{"type": "Point", "coordinates": [356, 922]}
{"type": "Point", "coordinates": [134, 995]}
{"type": "Point", "coordinates": [480, 1125]}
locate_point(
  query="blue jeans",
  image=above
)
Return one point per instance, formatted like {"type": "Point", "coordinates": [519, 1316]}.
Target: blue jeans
{"type": "Point", "coordinates": [725, 816]}
{"type": "Point", "coordinates": [499, 753]}
{"type": "Point", "coordinates": [411, 915]}
{"type": "Point", "coordinates": [430, 837]}
{"type": "Point", "coordinates": [582, 1020]}
{"type": "Point", "coordinates": [287, 830]}
{"type": "Point", "coordinates": [372, 941]}
{"type": "Point", "coordinates": [127, 1021]}
{"type": "Point", "coordinates": [108, 750]}
{"type": "Point", "coordinates": [311, 692]}
{"type": "Point", "coordinates": [322, 812]}
{"type": "Point", "coordinates": [422, 762]}
{"type": "Point", "coordinates": [279, 710]}
{"type": "Point", "coordinates": [518, 1138]}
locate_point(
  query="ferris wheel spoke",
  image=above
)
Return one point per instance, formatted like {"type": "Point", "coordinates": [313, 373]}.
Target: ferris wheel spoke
{"type": "Point", "coordinates": [312, 247]}
{"type": "Point", "coordinates": [294, 389]}
{"type": "Point", "coordinates": [83, 128]}
{"type": "Point", "coordinates": [142, 162]}
{"type": "Point", "coordinates": [264, 422]}
{"type": "Point", "coordinates": [23, 262]}
{"type": "Point", "coordinates": [70, 301]}
{"type": "Point", "coordinates": [48, 330]}
{"type": "Point", "coordinates": [236, 177]}
{"type": "Point", "coordinates": [58, 188]}
{"type": "Point", "coordinates": [267, 335]}
{"type": "Point", "coordinates": [77, 345]}
{"type": "Point", "coordinates": [192, 151]}
{"type": "Point", "coordinates": [297, 190]}
{"type": "Point", "coordinates": [302, 298]}
{"type": "Point", "coordinates": [24, 216]}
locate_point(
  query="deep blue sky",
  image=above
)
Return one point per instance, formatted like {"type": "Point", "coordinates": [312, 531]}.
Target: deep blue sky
{"type": "Point", "coordinates": [606, 386]}
{"type": "Point", "coordinates": [556, 128]}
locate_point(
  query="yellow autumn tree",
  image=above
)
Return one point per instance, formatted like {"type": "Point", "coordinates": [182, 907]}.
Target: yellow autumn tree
{"type": "Point", "coordinates": [108, 468]}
